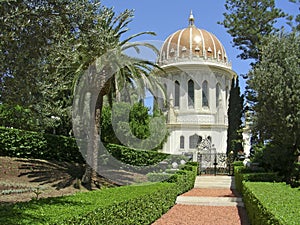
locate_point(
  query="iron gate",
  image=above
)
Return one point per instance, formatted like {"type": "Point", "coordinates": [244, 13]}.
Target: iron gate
{"type": "Point", "coordinates": [212, 163]}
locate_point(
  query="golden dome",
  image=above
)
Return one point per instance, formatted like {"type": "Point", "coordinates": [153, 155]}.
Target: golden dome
{"type": "Point", "coordinates": [192, 44]}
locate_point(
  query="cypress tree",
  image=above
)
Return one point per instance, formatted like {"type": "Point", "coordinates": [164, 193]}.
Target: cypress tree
{"type": "Point", "coordinates": [235, 113]}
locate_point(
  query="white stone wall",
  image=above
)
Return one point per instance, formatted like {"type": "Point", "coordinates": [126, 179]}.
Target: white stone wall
{"type": "Point", "coordinates": [218, 135]}
{"type": "Point", "coordinates": [213, 78]}
{"type": "Point", "coordinates": [204, 121]}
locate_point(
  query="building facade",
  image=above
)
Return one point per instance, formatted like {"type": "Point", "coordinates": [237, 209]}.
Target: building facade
{"type": "Point", "coordinates": [196, 79]}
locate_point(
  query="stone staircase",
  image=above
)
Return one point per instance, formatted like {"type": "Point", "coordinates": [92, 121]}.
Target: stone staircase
{"type": "Point", "coordinates": [212, 182]}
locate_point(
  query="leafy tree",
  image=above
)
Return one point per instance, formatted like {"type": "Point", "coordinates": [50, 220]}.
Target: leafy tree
{"type": "Point", "coordinates": [48, 45]}
{"type": "Point", "coordinates": [102, 69]}
{"type": "Point", "coordinates": [276, 82]}
{"type": "Point", "coordinates": [40, 42]}
{"type": "Point", "coordinates": [139, 121]}
{"type": "Point", "coordinates": [17, 116]}
{"type": "Point", "coordinates": [132, 125]}
{"type": "Point", "coordinates": [235, 113]}
{"type": "Point", "coordinates": [248, 22]}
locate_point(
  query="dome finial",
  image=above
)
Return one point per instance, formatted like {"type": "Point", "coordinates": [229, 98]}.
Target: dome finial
{"type": "Point", "coordinates": [191, 19]}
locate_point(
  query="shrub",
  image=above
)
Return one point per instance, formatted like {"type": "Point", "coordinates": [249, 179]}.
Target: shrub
{"type": "Point", "coordinates": [279, 158]}
{"type": "Point", "coordinates": [238, 163]}
{"type": "Point", "coordinates": [192, 164]}
{"type": "Point", "coordinates": [243, 174]}
{"type": "Point", "coordinates": [17, 116]}
{"type": "Point", "coordinates": [238, 177]}
{"type": "Point", "coordinates": [171, 171]}
{"type": "Point", "coordinates": [26, 144]}
{"type": "Point", "coordinates": [295, 175]}
{"type": "Point", "coordinates": [157, 177]}
{"type": "Point", "coordinates": [135, 157]}
{"type": "Point", "coordinates": [195, 165]}
{"type": "Point", "coordinates": [271, 203]}
{"type": "Point", "coordinates": [138, 209]}
{"type": "Point", "coordinates": [122, 205]}
{"type": "Point", "coordinates": [185, 179]}
{"type": "Point", "coordinates": [262, 177]}
{"type": "Point", "coordinates": [188, 167]}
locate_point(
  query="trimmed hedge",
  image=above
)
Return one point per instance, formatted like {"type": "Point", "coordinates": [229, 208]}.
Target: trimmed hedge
{"type": "Point", "coordinates": [271, 203]}
{"type": "Point", "coordinates": [185, 177]}
{"type": "Point", "coordinates": [195, 166]}
{"type": "Point", "coordinates": [135, 157]}
{"type": "Point", "coordinates": [238, 163]}
{"type": "Point", "coordinates": [137, 209]}
{"type": "Point", "coordinates": [266, 201]}
{"type": "Point", "coordinates": [27, 144]}
{"type": "Point", "coordinates": [242, 174]}
{"type": "Point", "coordinates": [123, 205]}
{"type": "Point", "coordinates": [157, 177]}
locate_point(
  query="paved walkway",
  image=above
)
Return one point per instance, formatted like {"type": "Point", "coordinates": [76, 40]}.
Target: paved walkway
{"type": "Point", "coordinates": [213, 200]}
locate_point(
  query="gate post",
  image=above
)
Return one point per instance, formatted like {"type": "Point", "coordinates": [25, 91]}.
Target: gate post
{"type": "Point", "coordinates": [199, 158]}
{"type": "Point", "coordinates": [215, 165]}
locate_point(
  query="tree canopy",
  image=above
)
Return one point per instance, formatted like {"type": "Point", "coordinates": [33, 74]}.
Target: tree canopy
{"type": "Point", "coordinates": [276, 118]}
{"type": "Point", "coordinates": [46, 45]}
{"type": "Point", "coordinates": [132, 125]}
{"type": "Point", "coordinates": [273, 83]}
{"type": "Point", "coordinates": [248, 22]}
{"type": "Point", "coordinates": [276, 80]}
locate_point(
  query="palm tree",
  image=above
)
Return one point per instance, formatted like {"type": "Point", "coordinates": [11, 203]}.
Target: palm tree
{"type": "Point", "coordinates": [111, 70]}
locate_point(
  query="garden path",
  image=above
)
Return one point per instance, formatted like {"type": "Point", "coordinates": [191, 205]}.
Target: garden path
{"type": "Point", "coordinates": [212, 201]}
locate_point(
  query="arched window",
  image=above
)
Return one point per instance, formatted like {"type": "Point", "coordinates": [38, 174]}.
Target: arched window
{"type": "Point", "coordinates": [205, 94]}
{"type": "Point", "coordinates": [191, 95]}
{"type": "Point", "coordinates": [194, 141]}
{"type": "Point", "coordinates": [181, 142]}
{"type": "Point", "coordinates": [177, 94]}
{"type": "Point", "coordinates": [218, 90]}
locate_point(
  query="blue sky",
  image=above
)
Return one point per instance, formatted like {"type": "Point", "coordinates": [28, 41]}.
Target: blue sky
{"type": "Point", "coordinates": [165, 17]}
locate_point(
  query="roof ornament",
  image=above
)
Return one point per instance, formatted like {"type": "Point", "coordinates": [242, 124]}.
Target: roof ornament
{"type": "Point", "coordinates": [191, 19]}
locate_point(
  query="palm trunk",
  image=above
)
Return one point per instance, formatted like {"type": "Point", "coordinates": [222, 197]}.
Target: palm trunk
{"type": "Point", "coordinates": [97, 137]}
{"type": "Point", "coordinates": [90, 179]}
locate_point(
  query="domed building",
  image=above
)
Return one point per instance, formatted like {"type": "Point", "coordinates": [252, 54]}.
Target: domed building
{"type": "Point", "coordinates": [196, 79]}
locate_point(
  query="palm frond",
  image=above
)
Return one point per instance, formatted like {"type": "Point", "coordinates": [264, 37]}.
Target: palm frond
{"type": "Point", "coordinates": [139, 45]}
{"type": "Point", "coordinates": [136, 35]}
